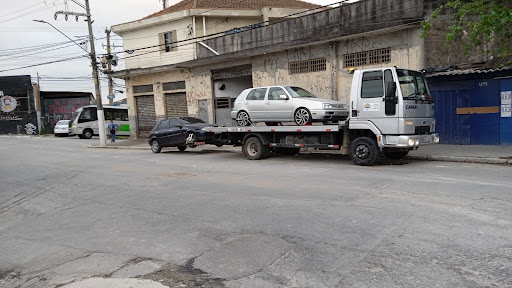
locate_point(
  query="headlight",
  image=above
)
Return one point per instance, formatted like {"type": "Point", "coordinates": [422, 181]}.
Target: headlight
{"type": "Point", "coordinates": [417, 142]}
{"type": "Point", "coordinates": [327, 105]}
{"type": "Point", "coordinates": [411, 142]}
{"type": "Point", "coordinates": [436, 139]}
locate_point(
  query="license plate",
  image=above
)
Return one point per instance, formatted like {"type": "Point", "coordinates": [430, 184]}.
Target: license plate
{"type": "Point", "coordinates": [427, 139]}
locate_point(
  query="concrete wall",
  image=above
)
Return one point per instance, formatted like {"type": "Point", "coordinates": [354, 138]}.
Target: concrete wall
{"type": "Point", "coordinates": [352, 19]}
{"type": "Point", "coordinates": [149, 37]}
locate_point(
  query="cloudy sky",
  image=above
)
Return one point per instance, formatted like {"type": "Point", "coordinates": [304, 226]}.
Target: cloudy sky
{"type": "Point", "coordinates": [28, 43]}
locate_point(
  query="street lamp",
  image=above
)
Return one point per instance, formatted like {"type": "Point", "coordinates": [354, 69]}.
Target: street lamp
{"type": "Point", "coordinates": [92, 54]}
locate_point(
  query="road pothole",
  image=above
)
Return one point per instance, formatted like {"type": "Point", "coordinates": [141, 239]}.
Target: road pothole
{"type": "Point", "coordinates": [172, 275]}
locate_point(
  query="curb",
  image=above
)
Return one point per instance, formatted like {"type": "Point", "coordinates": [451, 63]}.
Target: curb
{"type": "Point", "coordinates": [459, 159]}
{"type": "Point", "coordinates": [463, 159]}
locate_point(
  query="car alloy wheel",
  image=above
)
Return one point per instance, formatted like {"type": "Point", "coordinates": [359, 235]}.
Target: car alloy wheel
{"type": "Point", "coordinates": [302, 116]}
{"type": "Point", "coordinates": [155, 147]}
{"type": "Point", "coordinates": [243, 119]}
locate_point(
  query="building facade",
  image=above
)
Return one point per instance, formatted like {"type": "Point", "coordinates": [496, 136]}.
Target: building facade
{"type": "Point", "coordinates": [317, 51]}
{"type": "Point", "coordinates": [17, 108]}
{"type": "Point", "coordinates": [60, 105]}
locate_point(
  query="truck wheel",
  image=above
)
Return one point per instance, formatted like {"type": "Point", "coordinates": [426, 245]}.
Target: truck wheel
{"type": "Point", "coordinates": [254, 150]}
{"type": "Point", "coordinates": [182, 148]}
{"type": "Point", "coordinates": [155, 146]}
{"type": "Point", "coordinates": [243, 119]}
{"type": "Point", "coordinates": [395, 155]}
{"type": "Point", "coordinates": [364, 151]}
{"type": "Point", "coordinates": [87, 133]}
{"type": "Point", "coordinates": [302, 117]}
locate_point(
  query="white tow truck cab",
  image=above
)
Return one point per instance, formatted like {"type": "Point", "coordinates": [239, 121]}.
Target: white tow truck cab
{"type": "Point", "coordinates": [391, 113]}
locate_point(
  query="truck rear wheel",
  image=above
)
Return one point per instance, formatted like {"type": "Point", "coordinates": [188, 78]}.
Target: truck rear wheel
{"type": "Point", "coordinates": [254, 149]}
{"type": "Point", "coordinates": [364, 151]}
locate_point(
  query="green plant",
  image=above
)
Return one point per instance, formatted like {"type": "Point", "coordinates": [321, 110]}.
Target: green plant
{"type": "Point", "coordinates": [486, 24]}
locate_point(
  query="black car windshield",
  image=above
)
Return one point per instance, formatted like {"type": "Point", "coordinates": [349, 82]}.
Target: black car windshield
{"type": "Point", "coordinates": [298, 92]}
{"type": "Point", "coordinates": [191, 120]}
{"type": "Point", "coordinates": [414, 86]}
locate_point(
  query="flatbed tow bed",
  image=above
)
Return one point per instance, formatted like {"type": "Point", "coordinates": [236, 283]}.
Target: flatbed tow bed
{"type": "Point", "coordinates": [258, 141]}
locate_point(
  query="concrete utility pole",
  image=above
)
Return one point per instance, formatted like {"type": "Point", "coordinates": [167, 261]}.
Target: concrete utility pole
{"type": "Point", "coordinates": [99, 105]}
{"type": "Point", "coordinates": [109, 69]}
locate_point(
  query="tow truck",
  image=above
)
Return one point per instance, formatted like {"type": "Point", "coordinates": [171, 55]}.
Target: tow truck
{"type": "Point", "coordinates": [391, 113]}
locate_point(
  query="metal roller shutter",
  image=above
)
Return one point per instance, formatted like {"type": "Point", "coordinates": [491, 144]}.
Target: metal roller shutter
{"type": "Point", "coordinates": [146, 116]}
{"type": "Point", "coordinates": [176, 105]}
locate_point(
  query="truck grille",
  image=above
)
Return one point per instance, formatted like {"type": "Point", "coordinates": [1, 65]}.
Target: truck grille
{"type": "Point", "coordinates": [421, 130]}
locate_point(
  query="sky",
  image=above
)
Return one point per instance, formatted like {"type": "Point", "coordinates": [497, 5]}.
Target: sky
{"type": "Point", "coordinates": [25, 42]}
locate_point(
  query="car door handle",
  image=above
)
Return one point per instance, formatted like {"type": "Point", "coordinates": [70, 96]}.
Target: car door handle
{"type": "Point", "coordinates": [267, 103]}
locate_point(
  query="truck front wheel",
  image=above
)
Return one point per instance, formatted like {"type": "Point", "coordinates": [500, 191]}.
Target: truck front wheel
{"type": "Point", "coordinates": [254, 149]}
{"type": "Point", "coordinates": [364, 151]}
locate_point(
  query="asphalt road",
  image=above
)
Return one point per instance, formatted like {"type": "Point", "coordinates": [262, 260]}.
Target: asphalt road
{"type": "Point", "coordinates": [85, 217]}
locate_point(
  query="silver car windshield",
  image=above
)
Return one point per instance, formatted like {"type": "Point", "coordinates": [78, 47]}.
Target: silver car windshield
{"type": "Point", "coordinates": [297, 92]}
{"type": "Point", "coordinates": [414, 86]}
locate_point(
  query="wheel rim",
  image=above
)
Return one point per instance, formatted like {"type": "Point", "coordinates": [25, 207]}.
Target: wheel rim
{"type": "Point", "coordinates": [154, 146]}
{"type": "Point", "coordinates": [362, 151]}
{"type": "Point", "coordinates": [301, 117]}
{"type": "Point", "coordinates": [253, 149]}
{"type": "Point", "coordinates": [243, 119]}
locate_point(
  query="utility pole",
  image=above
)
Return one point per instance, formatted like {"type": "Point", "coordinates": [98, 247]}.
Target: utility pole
{"type": "Point", "coordinates": [99, 105]}
{"type": "Point", "coordinates": [109, 69]}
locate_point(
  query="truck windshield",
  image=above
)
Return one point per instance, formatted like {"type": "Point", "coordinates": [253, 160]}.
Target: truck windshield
{"type": "Point", "coordinates": [414, 86]}
{"type": "Point", "coordinates": [75, 114]}
{"type": "Point", "coordinates": [297, 92]}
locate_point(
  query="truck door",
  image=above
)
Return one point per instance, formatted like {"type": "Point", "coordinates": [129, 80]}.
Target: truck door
{"type": "Point", "coordinates": [374, 104]}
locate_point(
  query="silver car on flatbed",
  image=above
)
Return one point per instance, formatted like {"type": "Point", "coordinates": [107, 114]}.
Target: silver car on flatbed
{"type": "Point", "coordinates": [276, 104]}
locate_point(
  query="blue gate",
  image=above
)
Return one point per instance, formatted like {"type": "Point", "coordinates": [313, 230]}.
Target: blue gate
{"type": "Point", "coordinates": [467, 112]}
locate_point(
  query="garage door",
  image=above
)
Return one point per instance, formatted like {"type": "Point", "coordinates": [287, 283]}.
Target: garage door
{"type": "Point", "coordinates": [176, 104]}
{"type": "Point", "coordinates": [146, 116]}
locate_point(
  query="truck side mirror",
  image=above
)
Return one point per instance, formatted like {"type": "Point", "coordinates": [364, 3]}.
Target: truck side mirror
{"type": "Point", "coordinates": [391, 90]}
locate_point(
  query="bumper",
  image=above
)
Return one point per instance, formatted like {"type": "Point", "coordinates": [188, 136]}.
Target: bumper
{"type": "Point", "coordinates": [329, 114]}
{"type": "Point", "coordinates": [408, 141]}
{"type": "Point", "coordinates": [61, 131]}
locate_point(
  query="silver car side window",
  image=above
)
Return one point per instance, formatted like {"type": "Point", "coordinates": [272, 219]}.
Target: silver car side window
{"type": "Point", "coordinates": [275, 92]}
{"type": "Point", "coordinates": [256, 94]}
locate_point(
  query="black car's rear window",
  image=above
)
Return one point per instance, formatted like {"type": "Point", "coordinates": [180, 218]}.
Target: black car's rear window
{"type": "Point", "coordinates": [191, 120]}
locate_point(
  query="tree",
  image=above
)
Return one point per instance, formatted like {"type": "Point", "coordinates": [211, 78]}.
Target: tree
{"type": "Point", "coordinates": [484, 24]}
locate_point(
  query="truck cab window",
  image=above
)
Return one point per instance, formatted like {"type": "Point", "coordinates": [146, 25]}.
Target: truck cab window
{"type": "Point", "coordinates": [372, 86]}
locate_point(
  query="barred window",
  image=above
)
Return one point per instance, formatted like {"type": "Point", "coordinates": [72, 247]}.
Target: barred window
{"type": "Point", "coordinates": [376, 56]}
{"type": "Point", "coordinates": [224, 102]}
{"type": "Point", "coordinates": [143, 88]}
{"type": "Point", "coordinates": [174, 85]}
{"type": "Point", "coordinates": [310, 65]}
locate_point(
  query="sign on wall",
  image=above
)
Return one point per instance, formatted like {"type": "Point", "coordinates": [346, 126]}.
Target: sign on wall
{"type": "Point", "coordinates": [506, 104]}
{"type": "Point", "coordinates": [7, 104]}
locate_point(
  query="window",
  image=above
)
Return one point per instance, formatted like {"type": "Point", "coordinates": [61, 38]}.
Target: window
{"type": "Point", "coordinates": [168, 40]}
{"type": "Point", "coordinates": [88, 114]}
{"type": "Point", "coordinates": [275, 92]}
{"type": "Point", "coordinates": [143, 88]}
{"type": "Point", "coordinates": [174, 85]}
{"type": "Point", "coordinates": [257, 94]}
{"type": "Point", "coordinates": [375, 56]}
{"type": "Point", "coordinates": [310, 65]}
{"type": "Point", "coordinates": [372, 85]}
{"type": "Point", "coordinates": [163, 125]}
{"type": "Point", "coordinates": [116, 114]}
{"type": "Point", "coordinates": [175, 123]}
{"type": "Point", "coordinates": [224, 102]}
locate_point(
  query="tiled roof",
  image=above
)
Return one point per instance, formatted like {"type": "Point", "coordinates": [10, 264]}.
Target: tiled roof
{"type": "Point", "coordinates": [234, 4]}
{"type": "Point", "coordinates": [496, 64]}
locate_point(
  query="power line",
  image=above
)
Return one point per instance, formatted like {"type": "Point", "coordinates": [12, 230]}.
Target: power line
{"type": "Point", "coordinates": [46, 63]}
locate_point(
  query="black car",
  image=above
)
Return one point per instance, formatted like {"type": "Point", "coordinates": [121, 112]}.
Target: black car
{"type": "Point", "coordinates": [179, 132]}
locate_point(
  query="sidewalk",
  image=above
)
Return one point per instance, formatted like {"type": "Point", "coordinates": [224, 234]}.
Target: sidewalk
{"type": "Point", "coordinates": [436, 152]}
